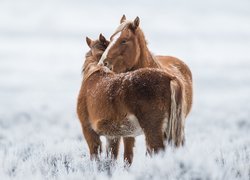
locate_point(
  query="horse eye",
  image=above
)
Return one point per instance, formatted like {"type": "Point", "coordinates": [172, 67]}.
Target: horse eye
{"type": "Point", "coordinates": [123, 41]}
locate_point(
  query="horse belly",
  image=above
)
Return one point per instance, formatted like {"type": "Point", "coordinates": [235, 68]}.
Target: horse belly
{"type": "Point", "coordinates": [126, 127]}
{"type": "Point", "coordinates": [131, 126]}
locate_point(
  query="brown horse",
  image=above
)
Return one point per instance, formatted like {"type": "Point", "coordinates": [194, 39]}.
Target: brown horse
{"type": "Point", "coordinates": [128, 51]}
{"type": "Point", "coordinates": [97, 48]}
{"type": "Point", "coordinates": [147, 100]}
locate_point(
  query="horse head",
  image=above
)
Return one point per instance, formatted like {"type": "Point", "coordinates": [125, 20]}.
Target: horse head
{"type": "Point", "coordinates": [97, 47]}
{"type": "Point", "coordinates": [124, 49]}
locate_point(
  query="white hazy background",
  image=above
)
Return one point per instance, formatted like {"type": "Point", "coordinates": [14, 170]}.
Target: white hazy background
{"type": "Point", "coordinates": [42, 48]}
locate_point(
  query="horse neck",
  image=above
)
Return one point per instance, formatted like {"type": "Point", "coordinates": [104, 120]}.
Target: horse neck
{"type": "Point", "coordinates": [146, 59]}
{"type": "Point", "coordinates": [90, 66]}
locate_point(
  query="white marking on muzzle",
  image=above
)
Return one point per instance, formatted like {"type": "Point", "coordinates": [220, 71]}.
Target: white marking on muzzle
{"type": "Point", "coordinates": [113, 41]}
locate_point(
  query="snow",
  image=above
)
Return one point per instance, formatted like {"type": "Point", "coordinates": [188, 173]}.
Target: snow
{"type": "Point", "coordinates": [42, 45]}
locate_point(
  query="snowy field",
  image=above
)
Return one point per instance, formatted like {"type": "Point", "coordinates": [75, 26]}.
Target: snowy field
{"type": "Point", "coordinates": [42, 45]}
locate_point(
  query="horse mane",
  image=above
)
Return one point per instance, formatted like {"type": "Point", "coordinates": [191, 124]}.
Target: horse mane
{"type": "Point", "coordinates": [147, 56]}
{"type": "Point", "coordinates": [122, 26]}
{"type": "Point", "coordinates": [91, 66]}
{"type": "Point", "coordinates": [87, 56]}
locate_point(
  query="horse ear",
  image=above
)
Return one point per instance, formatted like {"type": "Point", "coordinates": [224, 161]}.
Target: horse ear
{"type": "Point", "coordinates": [136, 23]}
{"type": "Point", "coordinates": [89, 41]}
{"type": "Point", "coordinates": [103, 40]}
{"type": "Point", "coordinates": [123, 19]}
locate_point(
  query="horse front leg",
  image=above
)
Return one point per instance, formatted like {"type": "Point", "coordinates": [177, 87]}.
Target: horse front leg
{"type": "Point", "coordinates": [93, 141]}
{"type": "Point", "coordinates": [113, 145]}
{"type": "Point", "coordinates": [129, 143]}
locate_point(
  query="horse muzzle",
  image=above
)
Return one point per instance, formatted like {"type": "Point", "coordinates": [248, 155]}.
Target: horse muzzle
{"type": "Point", "coordinates": [107, 64]}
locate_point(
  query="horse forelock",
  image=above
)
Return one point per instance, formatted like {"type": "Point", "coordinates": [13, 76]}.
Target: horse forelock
{"type": "Point", "coordinates": [121, 27]}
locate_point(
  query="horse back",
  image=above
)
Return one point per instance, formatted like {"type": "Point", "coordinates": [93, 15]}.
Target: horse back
{"type": "Point", "coordinates": [179, 69]}
{"type": "Point", "coordinates": [148, 89]}
{"type": "Point", "coordinates": [104, 96]}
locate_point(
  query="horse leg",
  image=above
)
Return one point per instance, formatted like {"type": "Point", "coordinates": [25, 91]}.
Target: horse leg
{"type": "Point", "coordinates": [154, 136]}
{"type": "Point", "coordinates": [154, 140]}
{"type": "Point", "coordinates": [93, 141]}
{"type": "Point", "coordinates": [113, 146]}
{"type": "Point", "coordinates": [129, 143]}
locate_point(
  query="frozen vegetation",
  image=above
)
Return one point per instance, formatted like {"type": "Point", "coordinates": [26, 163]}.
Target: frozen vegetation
{"type": "Point", "coordinates": [42, 45]}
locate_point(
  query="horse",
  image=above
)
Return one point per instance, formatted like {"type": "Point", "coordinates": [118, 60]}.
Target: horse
{"type": "Point", "coordinates": [128, 51]}
{"type": "Point", "coordinates": [146, 101]}
{"type": "Point", "coordinates": [93, 139]}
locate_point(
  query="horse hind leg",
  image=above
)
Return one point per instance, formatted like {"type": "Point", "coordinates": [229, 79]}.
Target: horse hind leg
{"type": "Point", "coordinates": [154, 136]}
{"type": "Point", "coordinates": [154, 141]}
{"type": "Point", "coordinates": [129, 143]}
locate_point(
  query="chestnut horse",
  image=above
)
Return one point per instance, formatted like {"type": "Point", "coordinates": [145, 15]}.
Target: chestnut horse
{"type": "Point", "coordinates": [146, 100]}
{"type": "Point", "coordinates": [97, 48]}
{"type": "Point", "coordinates": [128, 51]}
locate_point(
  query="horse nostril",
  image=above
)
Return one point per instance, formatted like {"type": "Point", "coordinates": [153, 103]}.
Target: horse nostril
{"type": "Point", "coordinates": [105, 64]}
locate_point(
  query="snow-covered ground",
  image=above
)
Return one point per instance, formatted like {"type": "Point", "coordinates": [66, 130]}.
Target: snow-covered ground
{"type": "Point", "coordinates": [42, 45]}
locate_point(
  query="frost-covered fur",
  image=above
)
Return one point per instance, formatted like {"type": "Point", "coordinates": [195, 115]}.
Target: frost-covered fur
{"type": "Point", "coordinates": [129, 52]}
{"type": "Point", "coordinates": [107, 101]}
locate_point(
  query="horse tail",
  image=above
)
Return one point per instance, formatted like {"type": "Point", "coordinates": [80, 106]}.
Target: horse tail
{"type": "Point", "coordinates": [175, 126]}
